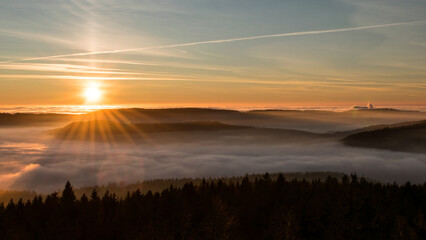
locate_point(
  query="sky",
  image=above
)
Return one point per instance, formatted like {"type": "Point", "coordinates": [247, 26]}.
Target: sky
{"type": "Point", "coordinates": [195, 52]}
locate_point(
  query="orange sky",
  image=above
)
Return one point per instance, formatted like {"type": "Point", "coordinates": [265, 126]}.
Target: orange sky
{"type": "Point", "coordinates": [276, 53]}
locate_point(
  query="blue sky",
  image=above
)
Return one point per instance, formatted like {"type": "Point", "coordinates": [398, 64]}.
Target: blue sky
{"type": "Point", "coordinates": [385, 64]}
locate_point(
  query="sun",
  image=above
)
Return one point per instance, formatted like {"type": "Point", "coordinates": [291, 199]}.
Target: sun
{"type": "Point", "coordinates": [92, 93]}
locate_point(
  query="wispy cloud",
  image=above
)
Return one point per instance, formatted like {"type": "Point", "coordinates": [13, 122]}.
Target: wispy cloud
{"type": "Point", "coordinates": [303, 33]}
{"type": "Point", "coordinates": [289, 85]}
{"type": "Point", "coordinates": [69, 68]}
{"type": "Point", "coordinates": [37, 37]}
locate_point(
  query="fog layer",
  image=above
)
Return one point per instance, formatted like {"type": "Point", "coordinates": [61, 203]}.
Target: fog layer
{"type": "Point", "coordinates": [31, 159]}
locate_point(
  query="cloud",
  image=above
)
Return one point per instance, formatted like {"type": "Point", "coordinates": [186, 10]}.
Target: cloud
{"type": "Point", "coordinates": [37, 37]}
{"type": "Point", "coordinates": [303, 33]}
{"type": "Point", "coordinates": [7, 180]}
{"type": "Point", "coordinates": [67, 68]}
{"type": "Point", "coordinates": [97, 163]}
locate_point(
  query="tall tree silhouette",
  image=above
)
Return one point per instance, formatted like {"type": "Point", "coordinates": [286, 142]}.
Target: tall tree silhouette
{"type": "Point", "coordinates": [262, 208]}
{"type": "Point", "coordinates": [68, 196]}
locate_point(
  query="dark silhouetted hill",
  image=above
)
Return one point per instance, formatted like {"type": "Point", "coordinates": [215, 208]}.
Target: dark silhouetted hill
{"type": "Point", "coordinates": [30, 119]}
{"type": "Point", "coordinates": [312, 121]}
{"type": "Point", "coordinates": [178, 132]}
{"type": "Point", "coordinates": [405, 137]}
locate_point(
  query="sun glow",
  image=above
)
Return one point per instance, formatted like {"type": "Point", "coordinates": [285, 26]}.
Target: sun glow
{"type": "Point", "coordinates": [92, 93]}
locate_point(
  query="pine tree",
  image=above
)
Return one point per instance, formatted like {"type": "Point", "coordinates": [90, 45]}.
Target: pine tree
{"type": "Point", "coordinates": [68, 196]}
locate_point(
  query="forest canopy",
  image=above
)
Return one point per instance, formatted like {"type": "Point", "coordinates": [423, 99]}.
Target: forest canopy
{"type": "Point", "coordinates": [260, 208]}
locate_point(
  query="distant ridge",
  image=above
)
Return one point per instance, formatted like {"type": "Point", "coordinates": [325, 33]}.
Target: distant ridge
{"type": "Point", "coordinates": [384, 110]}
{"type": "Point", "coordinates": [116, 128]}
{"type": "Point", "coordinates": [317, 121]}
{"type": "Point", "coordinates": [102, 130]}
{"type": "Point", "coordinates": [404, 137]}
{"type": "Point", "coordinates": [33, 119]}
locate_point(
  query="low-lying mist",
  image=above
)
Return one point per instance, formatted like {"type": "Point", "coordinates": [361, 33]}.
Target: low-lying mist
{"type": "Point", "coordinates": [31, 159]}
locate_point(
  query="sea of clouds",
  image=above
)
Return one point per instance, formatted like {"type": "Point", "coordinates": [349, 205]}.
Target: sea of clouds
{"type": "Point", "coordinates": [30, 159]}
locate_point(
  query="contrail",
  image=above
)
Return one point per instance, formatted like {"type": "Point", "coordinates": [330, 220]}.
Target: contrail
{"type": "Point", "coordinates": [304, 33]}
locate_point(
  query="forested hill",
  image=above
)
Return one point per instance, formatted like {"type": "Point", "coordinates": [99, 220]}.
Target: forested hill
{"type": "Point", "coordinates": [349, 208]}
{"type": "Point", "coordinates": [100, 130]}
{"type": "Point", "coordinates": [33, 119]}
{"type": "Point", "coordinates": [406, 137]}
{"type": "Point", "coordinates": [159, 185]}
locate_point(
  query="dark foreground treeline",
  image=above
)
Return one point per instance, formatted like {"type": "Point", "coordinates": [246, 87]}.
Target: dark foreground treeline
{"type": "Point", "coordinates": [158, 185]}
{"type": "Point", "coordinates": [351, 208]}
